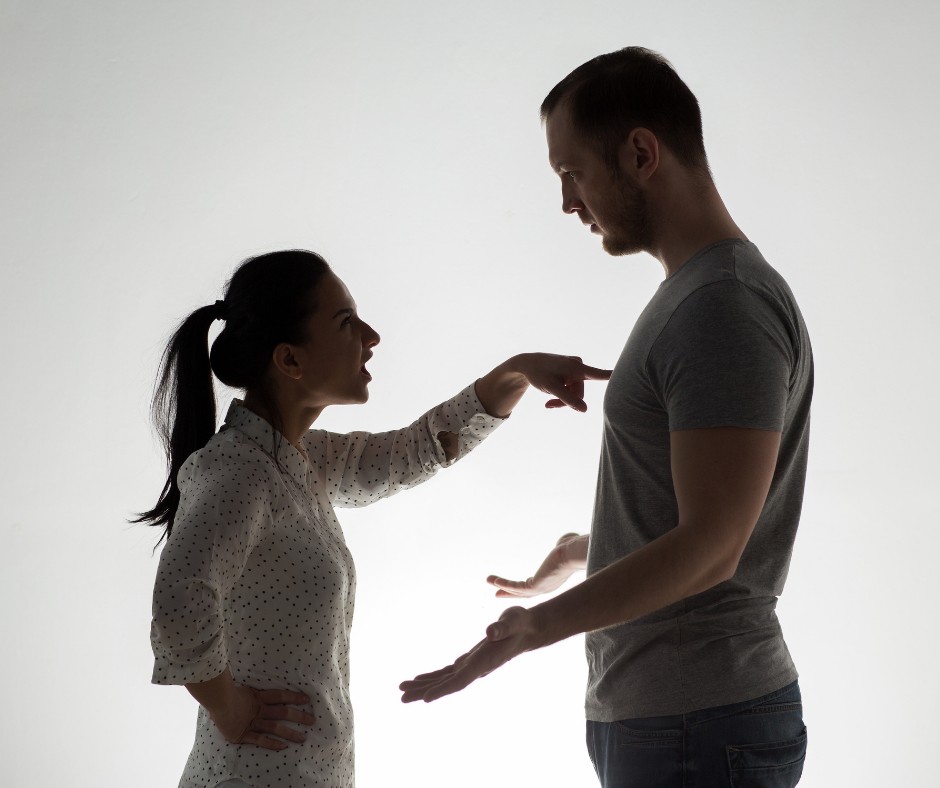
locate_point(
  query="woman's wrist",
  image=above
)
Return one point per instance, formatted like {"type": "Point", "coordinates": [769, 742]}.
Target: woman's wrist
{"type": "Point", "coordinates": [500, 390]}
{"type": "Point", "coordinates": [217, 695]}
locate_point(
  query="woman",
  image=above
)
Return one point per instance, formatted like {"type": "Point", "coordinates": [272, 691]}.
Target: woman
{"type": "Point", "coordinates": [255, 590]}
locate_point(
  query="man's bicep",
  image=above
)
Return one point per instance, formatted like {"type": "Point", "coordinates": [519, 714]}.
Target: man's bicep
{"type": "Point", "coordinates": [721, 477]}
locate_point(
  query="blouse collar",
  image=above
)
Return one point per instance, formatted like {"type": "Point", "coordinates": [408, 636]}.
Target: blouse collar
{"type": "Point", "coordinates": [263, 434]}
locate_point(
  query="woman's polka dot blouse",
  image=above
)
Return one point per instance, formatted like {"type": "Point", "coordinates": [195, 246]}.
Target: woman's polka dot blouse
{"type": "Point", "coordinates": [256, 576]}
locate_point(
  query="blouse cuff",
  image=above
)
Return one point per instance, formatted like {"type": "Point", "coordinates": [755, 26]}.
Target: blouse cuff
{"type": "Point", "coordinates": [188, 668]}
{"type": "Point", "coordinates": [465, 416]}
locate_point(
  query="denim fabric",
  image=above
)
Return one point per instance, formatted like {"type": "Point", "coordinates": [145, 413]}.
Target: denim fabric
{"type": "Point", "coordinates": [760, 743]}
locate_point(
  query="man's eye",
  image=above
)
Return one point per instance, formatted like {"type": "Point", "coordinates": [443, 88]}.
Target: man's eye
{"type": "Point", "coordinates": [571, 175]}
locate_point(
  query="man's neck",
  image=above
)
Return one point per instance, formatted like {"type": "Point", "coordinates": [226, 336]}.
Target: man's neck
{"type": "Point", "coordinates": [695, 217]}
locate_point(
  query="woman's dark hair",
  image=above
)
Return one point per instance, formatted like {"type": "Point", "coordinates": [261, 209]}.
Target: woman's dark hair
{"type": "Point", "coordinates": [267, 302]}
{"type": "Point", "coordinates": [612, 94]}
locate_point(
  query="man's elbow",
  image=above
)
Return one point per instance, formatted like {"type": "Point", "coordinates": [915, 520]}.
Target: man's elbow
{"type": "Point", "coordinates": [723, 557]}
{"type": "Point", "coordinates": [730, 559]}
{"type": "Point", "coordinates": [726, 571]}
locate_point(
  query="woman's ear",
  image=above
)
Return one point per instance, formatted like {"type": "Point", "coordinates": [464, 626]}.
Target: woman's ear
{"type": "Point", "coordinates": [285, 361]}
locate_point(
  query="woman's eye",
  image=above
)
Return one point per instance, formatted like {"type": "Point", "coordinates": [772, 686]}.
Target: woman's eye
{"type": "Point", "coordinates": [571, 175]}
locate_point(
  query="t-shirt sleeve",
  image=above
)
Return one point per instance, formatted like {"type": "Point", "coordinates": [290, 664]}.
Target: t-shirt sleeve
{"type": "Point", "coordinates": [724, 359]}
{"type": "Point", "coordinates": [359, 468]}
{"type": "Point", "coordinates": [225, 502]}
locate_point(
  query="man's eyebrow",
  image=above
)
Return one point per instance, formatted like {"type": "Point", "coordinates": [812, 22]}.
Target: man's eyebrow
{"type": "Point", "coordinates": [346, 311]}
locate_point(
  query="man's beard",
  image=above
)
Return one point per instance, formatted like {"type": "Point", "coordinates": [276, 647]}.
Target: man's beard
{"type": "Point", "coordinates": [630, 229]}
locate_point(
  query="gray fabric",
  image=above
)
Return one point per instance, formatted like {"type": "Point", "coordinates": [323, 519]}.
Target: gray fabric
{"type": "Point", "coordinates": [721, 344]}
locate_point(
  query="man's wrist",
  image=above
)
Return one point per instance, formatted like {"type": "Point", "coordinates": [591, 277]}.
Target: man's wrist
{"type": "Point", "coordinates": [574, 551]}
{"type": "Point", "coordinates": [541, 628]}
{"type": "Point", "coordinates": [564, 546]}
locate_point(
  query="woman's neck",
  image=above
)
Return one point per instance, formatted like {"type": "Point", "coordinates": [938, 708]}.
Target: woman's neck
{"type": "Point", "coordinates": [295, 418]}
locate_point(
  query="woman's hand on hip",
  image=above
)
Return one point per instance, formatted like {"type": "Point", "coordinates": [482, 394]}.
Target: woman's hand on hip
{"type": "Point", "coordinates": [245, 715]}
{"type": "Point", "coordinates": [259, 717]}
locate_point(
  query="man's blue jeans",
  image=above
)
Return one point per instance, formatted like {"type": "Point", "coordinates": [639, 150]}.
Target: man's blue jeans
{"type": "Point", "coordinates": [760, 743]}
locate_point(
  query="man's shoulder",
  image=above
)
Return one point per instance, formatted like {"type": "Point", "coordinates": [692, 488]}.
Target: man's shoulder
{"type": "Point", "coordinates": [735, 259]}
{"type": "Point", "coordinates": [734, 270]}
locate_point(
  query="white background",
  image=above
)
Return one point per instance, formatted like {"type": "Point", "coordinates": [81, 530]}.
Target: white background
{"type": "Point", "coordinates": [148, 147]}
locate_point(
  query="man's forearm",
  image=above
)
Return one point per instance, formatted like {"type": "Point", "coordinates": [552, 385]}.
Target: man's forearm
{"type": "Point", "coordinates": [677, 565]}
{"type": "Point", "coordinates": [685, 561]}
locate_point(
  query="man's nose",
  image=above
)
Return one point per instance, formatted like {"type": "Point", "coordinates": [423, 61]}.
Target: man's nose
{"type": "Point", "coordinates": [570, 202]}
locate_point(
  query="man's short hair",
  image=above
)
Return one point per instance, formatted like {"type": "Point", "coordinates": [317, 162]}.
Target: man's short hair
{"type": "Point", "coordinates": [612, 94]}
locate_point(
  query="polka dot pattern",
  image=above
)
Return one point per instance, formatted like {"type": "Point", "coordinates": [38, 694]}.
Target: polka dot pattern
{"type": "Point", "coordinates": [256, 576]}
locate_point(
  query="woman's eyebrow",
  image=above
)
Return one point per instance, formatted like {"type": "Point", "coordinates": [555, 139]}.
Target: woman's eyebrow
{"type": "Point", "coordinates": [346, 311]}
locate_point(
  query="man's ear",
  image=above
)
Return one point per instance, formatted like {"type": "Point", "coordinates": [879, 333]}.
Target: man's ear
{"type": "Point", "coordinates": [285, 361]}
{"type": "Point", "coordinates": [639, 153]}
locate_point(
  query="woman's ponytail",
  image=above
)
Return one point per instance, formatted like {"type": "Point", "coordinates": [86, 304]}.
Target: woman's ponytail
{"type": "Point", "coordinates": [183, 407]}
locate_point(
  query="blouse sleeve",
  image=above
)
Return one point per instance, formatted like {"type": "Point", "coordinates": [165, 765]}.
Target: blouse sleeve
{"type": "Point", "coordinates": [225, 501]}
{"type": "Point", "coordinates": [359, 468]}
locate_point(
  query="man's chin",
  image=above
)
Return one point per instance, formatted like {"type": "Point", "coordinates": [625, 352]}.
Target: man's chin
{"type": "Point", "coordinates": [619, 247]}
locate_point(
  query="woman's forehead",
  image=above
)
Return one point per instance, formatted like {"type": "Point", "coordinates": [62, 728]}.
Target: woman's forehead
{"type": "Point", "coordinates": [334, 294]}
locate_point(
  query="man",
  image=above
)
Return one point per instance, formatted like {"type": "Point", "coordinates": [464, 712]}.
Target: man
{"type": "Point", "coordinates": [702, 466]}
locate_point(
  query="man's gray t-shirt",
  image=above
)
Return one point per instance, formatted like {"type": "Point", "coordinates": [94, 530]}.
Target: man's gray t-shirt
{"type": "Point", "coordinates": [722, 343]}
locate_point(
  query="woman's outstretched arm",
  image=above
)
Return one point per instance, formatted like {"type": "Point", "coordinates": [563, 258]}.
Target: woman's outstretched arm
{"type": "Point", "coordinates": [359, 468]}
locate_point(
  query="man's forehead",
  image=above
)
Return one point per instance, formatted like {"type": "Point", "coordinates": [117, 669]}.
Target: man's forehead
{"type": "Point", "coordinates": [558, 135]}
